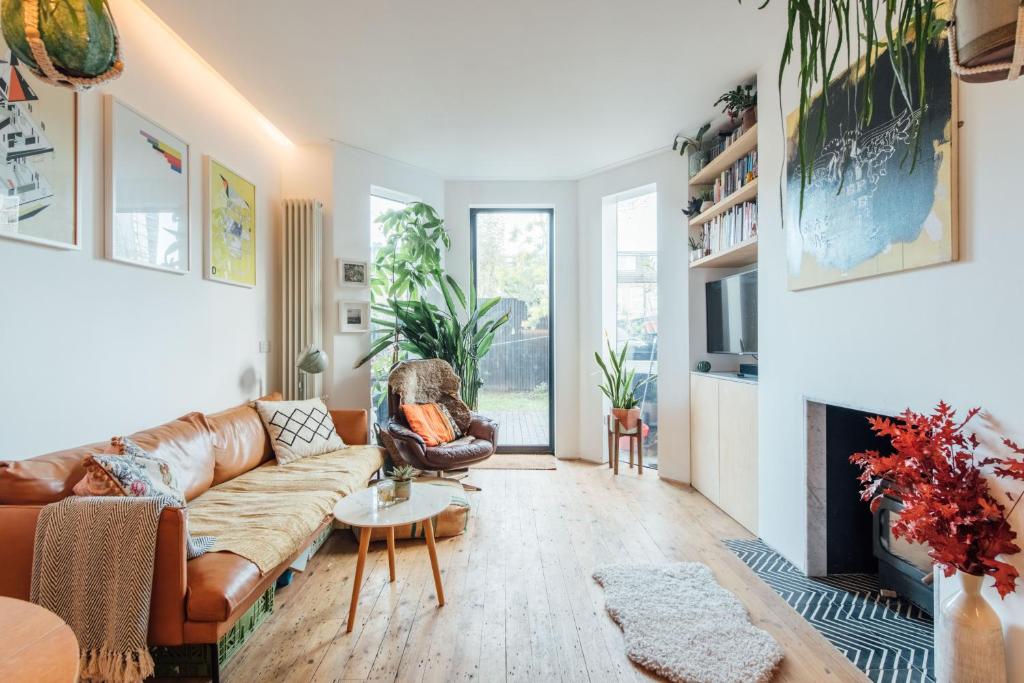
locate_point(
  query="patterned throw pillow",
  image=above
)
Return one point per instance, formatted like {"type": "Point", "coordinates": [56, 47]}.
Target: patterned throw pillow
{"type": "Point", "coordinates": [131, 472]}
{"type": "Point", "coordinates": [299, 429]}
{"type": "Point", "coordinates": [456, 432]}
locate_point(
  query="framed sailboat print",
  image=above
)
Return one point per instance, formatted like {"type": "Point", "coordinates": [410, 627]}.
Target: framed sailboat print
{"type": "Point", "coordinates": [147, 191]}
{"type": "Point", "coordinates": [38, 157]}
{"type": "Point", "coordinates": [230, 226]}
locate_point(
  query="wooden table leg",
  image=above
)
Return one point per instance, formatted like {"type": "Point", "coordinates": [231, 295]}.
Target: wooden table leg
{"type": "Point", "coordinates": [640, 447]}
{"type": "Point", "coordinates": [391, 552]}
{"type": "Point", "coordinates": [632, 441]}
{"type": "Point", "coordinates": [364, 544]}
{"type": "Point", "coordinates": [610, 451]}
{"type": "Point", "coordinates": [615, 456]}
{"type": "Point", "coordinates": [428, 527]}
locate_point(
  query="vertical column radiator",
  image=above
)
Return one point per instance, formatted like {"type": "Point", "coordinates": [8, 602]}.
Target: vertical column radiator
{"type": "Point", "coordinates": [302, 291]}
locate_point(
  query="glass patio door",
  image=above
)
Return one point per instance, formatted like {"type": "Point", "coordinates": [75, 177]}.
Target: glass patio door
{"type": "Point", "coordinates": [511, 258]}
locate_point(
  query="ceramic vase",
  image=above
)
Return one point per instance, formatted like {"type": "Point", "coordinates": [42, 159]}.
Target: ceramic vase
{"type": "Point", "coordinates": [402, 489]}
{"type": "Point", "coordinates": [969, 637]}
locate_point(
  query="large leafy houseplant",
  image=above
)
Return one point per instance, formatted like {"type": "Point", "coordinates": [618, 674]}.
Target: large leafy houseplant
{"type": "Point", "coordinates": [946, 501]}
{"type": "Point", "coordinates": [821, 33]}
{"type": "Point", "coordinates": [461, 333]}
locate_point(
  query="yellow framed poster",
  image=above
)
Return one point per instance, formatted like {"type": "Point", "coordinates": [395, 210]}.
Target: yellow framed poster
{"type": "Point", "coordinates": [230, 226]}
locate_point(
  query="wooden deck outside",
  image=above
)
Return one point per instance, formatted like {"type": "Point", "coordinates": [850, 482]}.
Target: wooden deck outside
{"type": "Point", "coordinates": [521, 427]}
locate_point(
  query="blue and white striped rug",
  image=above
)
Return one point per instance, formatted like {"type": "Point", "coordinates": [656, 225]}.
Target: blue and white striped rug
{"type": "Point", "coordinates": [888, 639]}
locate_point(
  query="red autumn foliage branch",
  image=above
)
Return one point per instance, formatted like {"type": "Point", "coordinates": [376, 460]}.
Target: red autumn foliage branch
{"type": "Point", "coordinates": [947, 504]}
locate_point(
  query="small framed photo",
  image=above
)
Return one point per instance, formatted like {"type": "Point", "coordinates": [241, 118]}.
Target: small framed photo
{"type": "Point", "coordinates": [353, 273]}
{"type": "Point", "coordinates": [354, 316]}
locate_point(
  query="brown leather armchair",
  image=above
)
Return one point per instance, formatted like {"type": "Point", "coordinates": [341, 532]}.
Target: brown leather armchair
{"type": "Point", "coordinates": [434, 381]}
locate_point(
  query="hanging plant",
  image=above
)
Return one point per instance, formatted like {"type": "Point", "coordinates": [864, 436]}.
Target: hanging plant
{"type": "Point", "coordinates": [821, 32]}
{"type": "Point", "coordinates": [68, 43]}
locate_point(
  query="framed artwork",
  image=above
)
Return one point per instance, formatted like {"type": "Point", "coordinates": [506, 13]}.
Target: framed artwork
{"type": "Point", "coordinates": [354, 316]}
{"type": "Point", "coordinates": [869, 207]}
{"type": "Point", "coordinates": [147, 191]}
{"type": "Point", "coordinates": [230, 226]}
{"type": "Point", "coordinates": [38, 158]}
{"type": "Point", "coordinates": [353, 273]}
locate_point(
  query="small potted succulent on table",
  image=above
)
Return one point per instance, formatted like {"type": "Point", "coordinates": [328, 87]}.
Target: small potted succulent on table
{"type": "Point", "coordinates": [740, 103]}
{"type": "Point", "coordinates": [403, 476]}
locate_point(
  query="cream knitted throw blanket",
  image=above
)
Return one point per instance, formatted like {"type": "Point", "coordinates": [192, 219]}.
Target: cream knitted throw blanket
{"type": "Point", "coordinates": [93, 566]}
{"type": "Point", "coordinates": [267, 513]}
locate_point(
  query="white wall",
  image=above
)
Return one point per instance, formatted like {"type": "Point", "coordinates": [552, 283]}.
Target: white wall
{"type": "Point", "coordinates": [355, 173]}
{"type": "Point", "coordinates": [909, 339]}
{"type": "Point", "coordinates": [460, 196]}
{"type": "Point", "coordinates": [90, 348]}
{"type": "Point", "coordinates": [667, 171]}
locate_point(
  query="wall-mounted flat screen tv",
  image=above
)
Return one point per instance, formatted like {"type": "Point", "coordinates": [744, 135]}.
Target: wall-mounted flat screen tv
{"type": "Point", "coordinates": [732, 313]}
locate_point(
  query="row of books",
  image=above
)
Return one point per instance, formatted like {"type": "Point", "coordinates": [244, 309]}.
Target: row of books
{"type": "Point", "coordinates": [724, 141]}
{"type": "Point", "coordinates": [736, 176]}
{"type": "Point", "coordinates": [736, 225]}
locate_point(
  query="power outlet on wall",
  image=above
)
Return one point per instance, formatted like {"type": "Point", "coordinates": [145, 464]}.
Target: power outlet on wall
{"type": "Point", "coordinates": [263, 346]}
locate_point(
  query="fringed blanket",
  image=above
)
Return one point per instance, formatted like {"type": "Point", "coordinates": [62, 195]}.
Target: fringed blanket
{"type": "Point", "coordinates": [267, 513]}
{"type": "Point", "coordinates": [93, 567]}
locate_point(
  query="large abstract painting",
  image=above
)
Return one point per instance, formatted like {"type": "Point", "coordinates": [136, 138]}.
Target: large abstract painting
{"type": "Point", "coordinates": [147, 191]}
{"type": "Point", "coordinates": [38, 128]}
{"type": "Point", "coordinates": [869, 207]}
{"type": "Point", "coordinates": [231, 226]}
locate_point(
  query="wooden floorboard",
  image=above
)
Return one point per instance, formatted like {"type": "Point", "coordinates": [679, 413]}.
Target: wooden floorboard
{"type": "Point", "coordinates": [521, 603]}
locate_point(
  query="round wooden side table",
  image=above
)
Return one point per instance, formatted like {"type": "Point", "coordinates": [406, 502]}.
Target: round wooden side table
{"type": "Point", "coordinates": [36, 646]}
{"type": "Point", "coordinates": [360, 510]}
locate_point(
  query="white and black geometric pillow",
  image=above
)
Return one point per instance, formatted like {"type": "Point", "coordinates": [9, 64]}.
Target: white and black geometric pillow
{"type": "Point", "coordinates": [299, 428]}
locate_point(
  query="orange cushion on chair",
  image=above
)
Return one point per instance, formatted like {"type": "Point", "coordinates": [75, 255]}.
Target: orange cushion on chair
{"type": "Point", "coordinates": [426, 420]}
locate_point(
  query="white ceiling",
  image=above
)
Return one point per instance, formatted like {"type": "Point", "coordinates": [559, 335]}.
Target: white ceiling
{"type": "Point", "coordinates": [523, 89]}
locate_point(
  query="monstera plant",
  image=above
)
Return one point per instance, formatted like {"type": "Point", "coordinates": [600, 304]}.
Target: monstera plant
{"type": "Point", "coordinates": [70, 43]}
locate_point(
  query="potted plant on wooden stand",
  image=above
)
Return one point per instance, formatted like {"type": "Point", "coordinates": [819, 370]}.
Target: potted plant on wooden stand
{"type": "Point", "coordinates": [619, 386]}
{"type": "Point", "coordinates": [947, 504]}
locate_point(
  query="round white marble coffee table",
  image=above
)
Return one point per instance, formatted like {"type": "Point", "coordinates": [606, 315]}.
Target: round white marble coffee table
{"type": "Point", "coordinates": [360, 510]}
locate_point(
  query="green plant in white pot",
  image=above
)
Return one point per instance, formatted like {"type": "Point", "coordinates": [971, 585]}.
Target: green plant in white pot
{"type": "Point", "coordinates": [403, 476]}
{"type": "Point", "coordinates": [620, 386]}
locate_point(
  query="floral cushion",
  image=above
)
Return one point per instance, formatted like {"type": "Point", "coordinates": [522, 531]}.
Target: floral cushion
{"type": "Point", "coordinates": [132, 472]}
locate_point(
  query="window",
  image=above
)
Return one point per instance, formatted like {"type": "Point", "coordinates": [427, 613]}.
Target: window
{"type": "Point", "coordinates": [380, 203]}
{"type": "Point", "coordinates": [636, 302]}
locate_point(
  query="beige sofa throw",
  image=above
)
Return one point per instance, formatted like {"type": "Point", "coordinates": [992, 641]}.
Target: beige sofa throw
{"type": "Point", "coordinates": [299, 429]}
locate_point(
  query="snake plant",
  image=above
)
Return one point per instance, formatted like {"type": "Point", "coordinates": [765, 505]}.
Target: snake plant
{"type": "Point", "coordinates": [619, 385]}
{"type": "Point", "coordinates": [821, 32]}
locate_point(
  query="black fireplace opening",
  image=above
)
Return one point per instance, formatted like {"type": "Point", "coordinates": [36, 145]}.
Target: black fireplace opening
{"type": "Point", "coordinates": [859, 541]}
{"type": "Point", "coordinates": [850, 524]}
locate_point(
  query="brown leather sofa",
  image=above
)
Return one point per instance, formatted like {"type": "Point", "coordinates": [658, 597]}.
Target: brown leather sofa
{"type": "Point", "coordinates": [193, 602]}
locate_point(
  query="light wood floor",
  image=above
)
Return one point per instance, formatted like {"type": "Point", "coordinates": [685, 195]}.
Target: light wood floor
{"type": "Point", "coordinates": [521, 604]}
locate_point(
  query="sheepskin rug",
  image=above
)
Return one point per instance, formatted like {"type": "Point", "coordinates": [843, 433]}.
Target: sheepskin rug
{"type": "Point", "coordinates": [679, 623]}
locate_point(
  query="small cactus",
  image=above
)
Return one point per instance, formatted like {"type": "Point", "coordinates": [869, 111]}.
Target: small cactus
{"type": "Point", "coordinates": [703, 366]}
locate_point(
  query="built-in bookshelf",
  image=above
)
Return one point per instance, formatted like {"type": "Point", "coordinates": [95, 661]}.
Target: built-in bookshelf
{"type": "Point", "coordinates": [728, 229]}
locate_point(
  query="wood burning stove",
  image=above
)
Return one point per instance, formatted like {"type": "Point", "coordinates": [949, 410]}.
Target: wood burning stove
{"type": "Point", "coordinates": [903, 567]}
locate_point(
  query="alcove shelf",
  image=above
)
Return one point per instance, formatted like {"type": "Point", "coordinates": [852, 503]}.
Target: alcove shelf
{"type": "Point", "coordinates": [742, 254]}
{"type": "Point", "coordinates": [745, 193]}
{"type": "Point", "coordinates": [734, 152]}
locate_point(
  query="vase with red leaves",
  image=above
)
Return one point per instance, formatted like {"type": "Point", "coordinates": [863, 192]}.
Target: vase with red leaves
{"type": "Point", "coordinates": [948, 506]}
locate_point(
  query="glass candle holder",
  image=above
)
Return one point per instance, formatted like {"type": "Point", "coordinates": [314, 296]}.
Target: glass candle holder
{"type": "Point", "coordinates": [385, 493]}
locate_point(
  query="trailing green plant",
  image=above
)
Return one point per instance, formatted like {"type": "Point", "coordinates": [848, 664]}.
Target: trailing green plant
{"type": "Point", "coordinates": [403, 473]}
{"type": "Point", "coordinates": [619, 383]}
{"type": "Point", "coordinates": [685, 143]}
{"type": "Point", "coordinates": [738, 100]}
{"type": "Point", "coordinates": [461, 333]}
{"type": "Point", "coordinates": [820, 32]}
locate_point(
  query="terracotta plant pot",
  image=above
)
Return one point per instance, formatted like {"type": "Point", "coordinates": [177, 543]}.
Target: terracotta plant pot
{"type": "Point", "coordinates": [627, 417]}
{"type": "Point", "coordinates": [969, 637]}
{"type": "Point", "coordinates": [749, 118]}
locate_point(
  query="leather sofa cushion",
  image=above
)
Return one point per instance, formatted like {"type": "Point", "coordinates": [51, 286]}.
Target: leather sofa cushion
{"type": "Point", "coordinates": [240, 441]}
{"type": "Point", "coordinates": [186, 443]}
{"type": "Point", "coordinates": [44, 478]}
{"type": "Point", "coordinates": [218, 583]}
{"type": "Point", "coordinates": [458, 453]}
